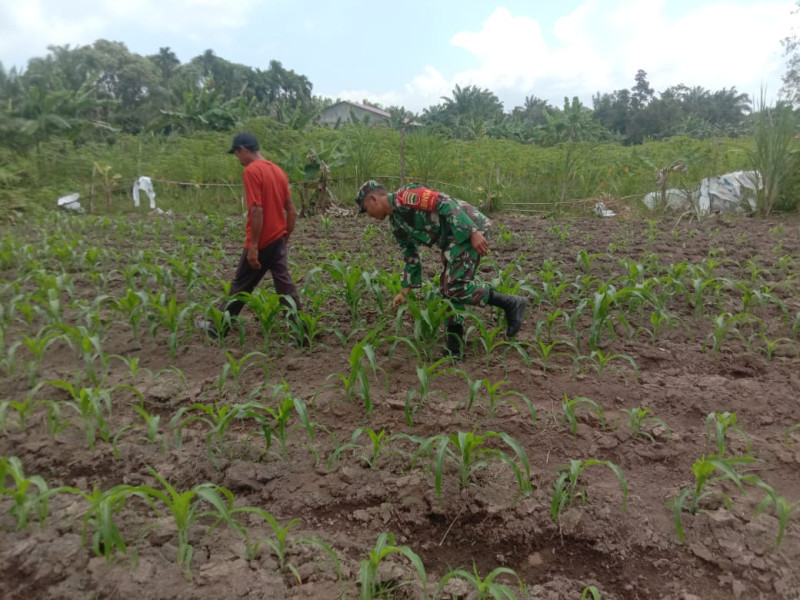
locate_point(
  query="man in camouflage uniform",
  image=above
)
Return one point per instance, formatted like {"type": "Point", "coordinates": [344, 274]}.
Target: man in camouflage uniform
{"type": "Point", "coordinates": [420, 215]}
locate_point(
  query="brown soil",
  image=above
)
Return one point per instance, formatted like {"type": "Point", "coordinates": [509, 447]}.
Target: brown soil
{"type": "Point", "coordinates": [632, 554]}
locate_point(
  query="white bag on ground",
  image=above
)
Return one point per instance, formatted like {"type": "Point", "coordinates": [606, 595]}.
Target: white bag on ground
{"type": "Point", "coordinates": [70, 202]}
{"type": "Point", "coordinates": [732, 193]}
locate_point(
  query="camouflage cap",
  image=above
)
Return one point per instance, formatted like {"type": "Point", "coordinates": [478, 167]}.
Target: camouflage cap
{"type": "Point", "coordinates": [365, 189]}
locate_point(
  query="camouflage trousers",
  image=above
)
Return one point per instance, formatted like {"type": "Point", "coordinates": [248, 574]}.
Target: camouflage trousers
{"type": "Point", "coordinates": [458, 282]}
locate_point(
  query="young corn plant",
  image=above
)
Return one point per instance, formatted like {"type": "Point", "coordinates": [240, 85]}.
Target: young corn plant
{"type": "Point", "coordinates": [639, 422]}
{"type": "Point", "coordinates": [485, 335]}
{"type": "Point", "coordinates": [783, 508]}
{"type": "Point", "coordinates": [689, 498]}
{"type": "Point", "coordinates": [604, 299]}
{"type": "Point", "coordinates": [351, 283]}
{"type": "Point", "coordinates": [470, 453]}
{"type": "Point", "coordinates": [368, 577]}
{"type": "Point", "coordinates": [133, 305]}
{"type": "Point", "coordinates": [601, 361]}
{"type": "Point", "coordinates": [30, 496]}
{"type": "Point", "coordinates": [279, 419]}
{"type": "Point", "coordinates": [185, 510]}
{"type": "Point", "coordinates": [496, 397]}
{"type": "Point", "coordinates": [427, 374]}
{"type": "Point", "coordinates": [356, 382]}
{"type": "Point", "coordinates": [24, 410]}
{"type": "Point", "coordinates": [429, 316]}
{"type": "Point", "coordinates": [770, 346]}
{"type": "Point", "coordinates": [235, 368]}
{"type": "Point", "coordinates": [281, 543]}
{"type": "Point", "coordinates": [172, 316]}
{"type": "Point", "coordinates": [100, 518]}
{"type": "Point", "coordinates": [90, 350]}
{"type": "Point", "coordinates": [569, 409]}
{"type": "Point", "coordinates": [378, 440]}
{"type": "Point", "coordinates": [725, 325]}
{"type": "Point", "coordinates": [267, 308]}
{"type": "Point", "coordinates": [36, 346]}
{"type": "Point", "coordinates": [719, 425]}
{"type": "Point", "coordinates": [485, 588]}
{"type": "Point", "coordinates": [92, 405]}
{"type": "Point", "coordinates": [149, 427]}
{"type": "Point", "coordinates": [566, 489]}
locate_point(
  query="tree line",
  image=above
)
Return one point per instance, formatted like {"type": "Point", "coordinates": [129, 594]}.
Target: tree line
{"type": "Point", "coordinates": [96, 91]}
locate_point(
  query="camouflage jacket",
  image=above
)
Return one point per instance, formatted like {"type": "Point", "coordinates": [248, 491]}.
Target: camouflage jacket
{"type": "Point", "coordinates": [424, 216]}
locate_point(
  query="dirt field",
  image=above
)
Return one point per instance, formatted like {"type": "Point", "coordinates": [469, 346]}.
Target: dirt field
{"type": "Point", "coordinates": [735, 278]}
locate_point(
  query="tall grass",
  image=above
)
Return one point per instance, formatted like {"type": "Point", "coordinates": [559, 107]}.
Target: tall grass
{"type": "Point", "coordinates": [773, 131]}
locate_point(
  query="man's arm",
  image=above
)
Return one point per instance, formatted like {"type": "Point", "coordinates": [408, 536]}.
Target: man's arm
{"type": "Point", "coordinates": [291, 216]}
{"type": "Point", "coordinates": [256, 217]}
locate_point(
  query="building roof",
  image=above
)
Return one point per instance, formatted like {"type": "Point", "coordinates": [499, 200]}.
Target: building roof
{"type": "Point", "coordinates": [372, 109]}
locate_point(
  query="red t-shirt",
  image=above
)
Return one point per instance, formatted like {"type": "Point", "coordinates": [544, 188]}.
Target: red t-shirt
{"type": "Point", "coordinates": [266, 185]}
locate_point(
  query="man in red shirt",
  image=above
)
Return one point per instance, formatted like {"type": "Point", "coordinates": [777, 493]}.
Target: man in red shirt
{"type": "Point", "coordinates": [271, 218]}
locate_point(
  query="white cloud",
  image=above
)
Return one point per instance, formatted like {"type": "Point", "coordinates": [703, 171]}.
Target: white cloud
{"type": "Point", "coordinates": [27, 27]}
{"type": "Point", "coordinates": [599, 46]}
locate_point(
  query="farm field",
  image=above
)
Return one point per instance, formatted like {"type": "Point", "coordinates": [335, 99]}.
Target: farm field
{"type": "Point", "coordinates": [639, 439]}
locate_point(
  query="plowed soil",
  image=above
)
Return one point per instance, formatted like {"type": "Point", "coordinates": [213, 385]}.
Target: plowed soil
{"type": "Point", "coordinates": [626, 549]}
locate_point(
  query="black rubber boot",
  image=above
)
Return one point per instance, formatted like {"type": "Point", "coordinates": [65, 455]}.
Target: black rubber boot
{"type": "Point", "coordinates": [513, 306]}
{"type": "Point", "coordinates": [454, 333]}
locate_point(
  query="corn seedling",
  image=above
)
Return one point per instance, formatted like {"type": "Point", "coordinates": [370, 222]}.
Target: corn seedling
{"type": "Point", "coordinates": [356, 382]}
{"type": "Point", "coordinates": [133, 305]}
{"type": "Point", "coordinates": [639, 421]}
{"type": "Point", "coordinates": [173, 316]}
{"type": "Point", "coordinates": [92, 405]}
{"type": "Point", "coordinates": [546, 352]}
{"type": "Point", "coordinates": [429, 317]}
{"type": "Point", "coordinates": [280, 418]}
{"type": "Point", "coordinates": [149, 427]}
{"type": "Point", "coordinates": [469, 452]}
{"type": "Point", "coordinates": [489, 338]}
{"type": "Point", "coordinates": [783, 508]}
{"type": "Point", "coordinates": [235, 368]}
{"type": "Point", "coordinates": [724, 325]}
{"type": "Point", "coordinates": [485, 588]}
{"type": "Point", "coordinates": [368, 573]}
{"type": "Point", "coordinates": [770, 346]}
{"type": "Point", "coordinates": [717, 427]}
{"type": "Point", "coordinates": [602, 361]}
{"type": "Point", "coordinates": [689, 498]}
{"type": "Point", "coordinates": [267, 308]}
{"type": "Point", "coordinates": [30, 496]}
{"type": "Point", "coordinates": [496, 397]}
{"type": "Point", "coordinates": [36, 346]}
{"type": "Point", "coordinates": [591, 592]}
{"type": "Point", "coordinates": [24, 410]}
{"type": "Point", "coordinates": [281, 542]}
{"type": "Point", "coordinates": [585, 260]}
{"type": "Point", "coordinates": [351, 283]}
{"type": "Point", "coordinates": [379, 439]}
{"type": "Point", "coordinates": [426, 374]}
{"type": "Point", "coordinates": [103, 506]}
{"type": "Point", "coordinates": [570, 406]}
{"type": "Point", "coordinates": [89, 349]}
{"type": "Point", "coordinates": [601, 305]}
{"type": "Point", "coordinates": [184, 507]}
{"type": "Point", "coordinates": [566, 489]}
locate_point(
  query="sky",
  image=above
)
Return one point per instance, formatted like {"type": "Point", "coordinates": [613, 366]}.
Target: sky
{"type": "Point", "coordinates": [412, 52]}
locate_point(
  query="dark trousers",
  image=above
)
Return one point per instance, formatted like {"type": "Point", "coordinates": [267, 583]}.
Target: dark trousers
{"type": "Point", "coordinates": [272, 258]}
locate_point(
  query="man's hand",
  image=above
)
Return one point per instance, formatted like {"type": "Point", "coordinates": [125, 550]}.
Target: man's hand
{"type": "Point", "coordinates": [401, 297]}
{"type": "Point", "coordinates": [252, 258]}
{"type": "Point", "coordinates": [479, 243]}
